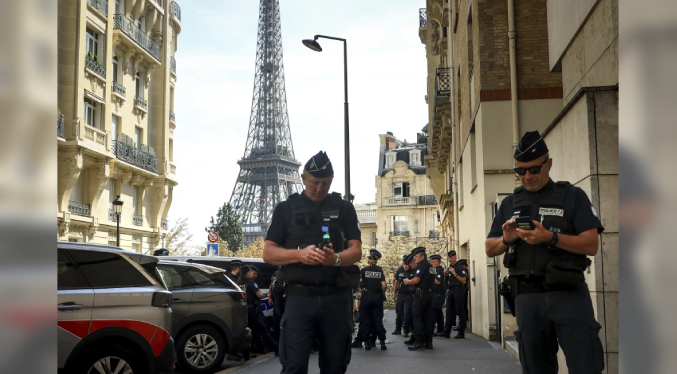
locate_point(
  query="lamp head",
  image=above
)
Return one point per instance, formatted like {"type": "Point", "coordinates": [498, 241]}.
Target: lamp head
{"type": "Point", "coordinates": [117, 205]}
{"type": "Point", "coordinates": [312, 44]}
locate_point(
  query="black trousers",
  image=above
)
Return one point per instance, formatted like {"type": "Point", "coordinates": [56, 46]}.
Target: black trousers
{"type": "Point", "coordinates": [437, 314]}
{"type": "Point", "coordinates": [371, 309]}
{"type": "Point", "coordinates": [567, 317]}
{"type": "Point", "coordinates": [403, 308]}
{"type": "Point", "coordinates": [457, 300]}
{"type": "Point", "coordinates": [422, 312]}
{"type": "Point", "coordinates": [257, 323]}
{"type": "Point", "coordinates": [277, 319]}
{"type": "Point", "coordinates": [325, 318]}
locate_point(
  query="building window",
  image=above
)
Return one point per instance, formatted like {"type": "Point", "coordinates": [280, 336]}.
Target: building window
{"type": "Point", "coordinates": [92, 43]}
{"type": "Point", "coordinates": [473, 161]}
{"type": "Point", "coordinates": [401, 189]}
{"type": "Point", "coordinates": [139, 85]}
{"type": "Point", "coordinates": [114, 127]}
{"type": "Point", "coordinates": [415, 158]}
{"type": "Point", "coordinates": [119, 7]}
{"type": "Point", "coordinates": [390, 160]}
{"type": "Point", "coordinates": [90, 113]}
{"type": "Point", "coordinates": [77, 194]}
{"type": "Point", "coordinates": [135, 197]}
{"type": "Point", "coordinates": [400, 224]}
{"type": "Point", "coordinates": [138, 132]}
{"type": "Point", "coordinates": [115, 69]}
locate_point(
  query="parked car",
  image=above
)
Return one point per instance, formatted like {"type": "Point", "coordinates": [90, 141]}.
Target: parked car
{"type": "Point", "coordinates": [114, 312]}
{"type": "Point", "coordinates": [262, 280]}
{"type": "Point", "coordinates": [209, 316]}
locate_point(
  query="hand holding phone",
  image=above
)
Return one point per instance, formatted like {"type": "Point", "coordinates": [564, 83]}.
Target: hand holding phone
{"type": "Point", "coordinates": [524, 223]}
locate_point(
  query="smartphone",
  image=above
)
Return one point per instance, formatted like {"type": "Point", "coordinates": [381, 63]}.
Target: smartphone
{"type": "Point", "coordinates": [524, 223]}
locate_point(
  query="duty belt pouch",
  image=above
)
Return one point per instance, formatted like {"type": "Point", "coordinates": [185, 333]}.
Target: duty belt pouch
{"type": "Point", "coordinates": [510, 257]}
{"type": "Point", "coordinates": [563, 273]}
{"type": "Point", "coordinates": [348, 277]}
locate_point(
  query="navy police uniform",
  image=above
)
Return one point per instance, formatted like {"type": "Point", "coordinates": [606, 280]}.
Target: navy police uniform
{"type": "Point", "coordinates": [371, 302]}
{"type": "Point", "coordinates": [422, 305]}
{"type": "Point", "coordinates": [255, 317]}
{"type": "Point", "coordinates": [552, 300]}
{"type": "Point", "coordinates": [318, 297]}
{"type": "Point", "coordinates": [457, 298]}
{"type": "Point", "coordinates": [407, 294]}
{"type": "Point", "coordinates": [438, 298]}
{"type": "Point", "coordinates": [232, 276]}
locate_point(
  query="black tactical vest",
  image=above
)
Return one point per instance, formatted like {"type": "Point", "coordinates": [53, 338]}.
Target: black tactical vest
{"type": "Point", "coordinates": [427, 279]}
{"type": "Point", "coordinates": [371, 281]}
{"type": "Point", "coordinates": [532, 259]}
{"type": "Point", "coordinates": [439, 287]}
{"type": "Point", "coordinates": [403, 288]}
{"type": "Point", "coordinates": [306, 229]}
{"type": "Point", "coordinates": [451, 280]}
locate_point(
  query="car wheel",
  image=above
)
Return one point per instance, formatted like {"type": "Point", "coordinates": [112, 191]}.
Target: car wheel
{"type": "Point", "coordinates": [200, 349]}
{"type": "Point", "coordinates": [111, 360]}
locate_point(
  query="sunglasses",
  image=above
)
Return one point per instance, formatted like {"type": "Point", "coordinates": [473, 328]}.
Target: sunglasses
{"type": "Point", "coordinates": [533, 170]}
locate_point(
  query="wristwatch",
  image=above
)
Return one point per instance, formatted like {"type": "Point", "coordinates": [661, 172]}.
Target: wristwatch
{"type": "Point", "coordinates": [506, 243]}
{"type": "Point", "coordinates": [338, 260]}
{"type": "Point", "coordinates": [553, 241]}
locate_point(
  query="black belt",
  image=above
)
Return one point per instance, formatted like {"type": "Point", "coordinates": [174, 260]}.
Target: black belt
{"type": "Point", "coordinates": [453, 288]}
{"type": "Point", "coordinates": [297, 289]}
{"type": "Point", "coordinates": [536, 285]}
{"type": "Point", "coordinates": [424, 289]}
{"type": "Point", "coordinates": [364, 290]}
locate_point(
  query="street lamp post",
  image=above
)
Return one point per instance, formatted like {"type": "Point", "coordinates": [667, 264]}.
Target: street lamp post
{"type": "Point", "coordinates": [117, 208]}
{"type": "Point", "coordinates": [315, 46]}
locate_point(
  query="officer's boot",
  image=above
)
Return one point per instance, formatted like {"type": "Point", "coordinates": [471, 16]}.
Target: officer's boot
{"type": "Point", "coordinates": [356, 344]}
{"type": "Point", "coordinates": [373, 343]}
{"type": "Point", "coordinates": [417, 346]}
{"type": "Point", "coordinates": [429, 345]}
{"type": "Point", "coordinates": [456, 328]}
{"type": "Point", "coordinates": [460, 335]}
{"type": "Point", "coordinates": [383, 345]}
{"type": "Point", "coordinates": [397, 331]}
{"type": "Point", "coordinates": [410, 341]}
{"type": "Point", "coordinates": [405, 333]}
{"type": "Point", "coordinates": [367, 346]}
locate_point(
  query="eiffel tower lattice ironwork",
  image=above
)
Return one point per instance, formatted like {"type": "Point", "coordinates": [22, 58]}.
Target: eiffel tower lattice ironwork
{"type": "Point", "coordinates": [269, 172]}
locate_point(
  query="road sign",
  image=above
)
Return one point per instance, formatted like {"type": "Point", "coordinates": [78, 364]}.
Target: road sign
{"type": "Point", "coordinates": [213, 237]}
{"type": "Point", "coordinates": [213, 249]}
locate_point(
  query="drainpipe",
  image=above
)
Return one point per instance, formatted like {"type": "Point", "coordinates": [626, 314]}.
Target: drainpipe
{"type": "Point", "coordinates": [513, 75]}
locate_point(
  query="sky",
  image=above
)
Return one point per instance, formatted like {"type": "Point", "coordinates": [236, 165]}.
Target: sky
{"type": "Point", "coordinates": [215, 79]}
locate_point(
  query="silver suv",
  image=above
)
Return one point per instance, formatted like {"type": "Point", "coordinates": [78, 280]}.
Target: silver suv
{"type": "Point", "coordinates": [114, 312]}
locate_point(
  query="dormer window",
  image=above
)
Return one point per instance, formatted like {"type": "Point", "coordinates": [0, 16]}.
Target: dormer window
{"type": "Point", "coordinates": [415, 157]}
{"type": "Point", "coordinates": [390, 160]}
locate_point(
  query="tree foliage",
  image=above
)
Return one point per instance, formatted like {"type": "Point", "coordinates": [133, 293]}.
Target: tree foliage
{"type": "Point", "coordinates": [178, 239]}
{"type": "Point", "coordinates": [228, 226]}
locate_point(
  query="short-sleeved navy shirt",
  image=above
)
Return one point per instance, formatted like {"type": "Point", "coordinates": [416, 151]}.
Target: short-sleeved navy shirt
{"type": "Point", "coordinates": [372, 276]}
{"type": "Point", "coordinates": [577, 209]}
{"type": "Point", "coordinates": [399, 274]}
{"type": "Point", "coordinates": [440, 278]}
{"type": "Point", "coordinates": [252, 288]}
{"type": "Point", "coordinates": [282, 217]}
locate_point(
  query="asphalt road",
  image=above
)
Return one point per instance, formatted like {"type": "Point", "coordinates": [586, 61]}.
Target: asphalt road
{"type": "Point", "coordinates": [472, 355]}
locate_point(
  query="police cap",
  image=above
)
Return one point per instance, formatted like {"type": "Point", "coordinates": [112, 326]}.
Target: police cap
{"type": "Point", "coordinates": [236, 263]}
{"type": "Point", "coordinates": [404, 258]}
{"type": "Point", "coordinates": [436, 257]}
{"type": "Point", "coordinates": [463, 262]}
{"type": "Point", "coordinates": [451, 253]}
{"type": "Point", "coordinates": [417, 250]}
{"type": "Point", "coordinates": [374, 255]}
{"type": "Point", "coordinates": [530, 147]}
{"type": "Point", "coordinates": [409, 259]}
{"type": "Point", "coordinates": [319, 166]}
{"type": "Point", "coordinates": [253, 268]}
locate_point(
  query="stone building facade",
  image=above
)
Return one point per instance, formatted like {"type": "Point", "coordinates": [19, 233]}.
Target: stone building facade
{"type": "Point", "coordinates": [116, 122]}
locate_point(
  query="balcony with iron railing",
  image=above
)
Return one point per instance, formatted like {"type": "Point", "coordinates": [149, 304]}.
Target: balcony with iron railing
{"type": "Point", "coordinates": [137, 219]}
{"type": "Point", "coordinates": [143, 157]}
{"type": "Point", "coordinates": [129, 29]}
{"type": "Point", "coordinates": [119, 89]}
{"type": "Point", "coordinates": [427, 200]}
{"type": "Point", "coordinates": [399, 233]}
{"type": "Point", "coordinates": [422, 17]}
{"type": "Point", "coordinates": [140, 103]}
{"type": "Point", "coordinates": [111, 214]}
{"type": "Point", "coordinates": [79, 208]}
{"type": "Point", "coordinates": [443, 82]}
{"type": "Point", "coordinates": [92, 64]}
{"type": "Point", "coordinates": [60, 125]}
{"type": "Point", "coordinates": [173, 65]}
{"type": "Point", "coordinates": [176, 10]}
{"type": "Point", "coordinates": [172, 117]}
{"type": "Point", "coordinates": [99, 5]}
{"type": "Point", "coordinates": [434, 234]}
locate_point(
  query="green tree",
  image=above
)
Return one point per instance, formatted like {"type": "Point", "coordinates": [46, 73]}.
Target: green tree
{"type": "Point", "coordinates": [228, 226]}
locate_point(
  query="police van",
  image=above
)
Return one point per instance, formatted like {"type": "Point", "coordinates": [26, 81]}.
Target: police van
{"type": "Point", "coordinates": [262, 280]}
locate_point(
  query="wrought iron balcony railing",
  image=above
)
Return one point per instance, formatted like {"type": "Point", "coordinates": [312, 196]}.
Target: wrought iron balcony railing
{"type": "Point", "coordinates": [443, 82]}
{"type": "Point", "coordinates": [399, 233]}
{"type": "Point", "coordinates": [143, 157]}
{"type": "Point", "coordinates": [119, 89]}
{"type": "Point", "coordinates": [172, 116]}
{"type": "Point", "coordinates": [95, 67]}
{"type": "Point", "coordinates": [60, 125]}
{"type": "Point", "coordinates": [433, 234]}
{"type": "Point", "coordinates": [137, 220]}
{"type": "Point", "coordinates": [141, 103]}
{"type": "Point", "coordinates": [176, 10]}
{"type": "Point", "coordinates": [111, 214]}
{"type": "Point", "coordinates": [165, 225]}
{"type": "Point", "coordinates": [129, 28]}
{"type": "Point", "coordinates": [427, 200]}
{"type": "Point", "coordinates": [100, 5]}
{"type": "Point", "coordinates": [173, 64]}
{"type": "Point", "coordinates": [79, 208]}
{"type": "Point", "coordinates": [422, 17]}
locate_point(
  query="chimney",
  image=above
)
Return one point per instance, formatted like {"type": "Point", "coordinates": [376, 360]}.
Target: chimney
{"type": "Point", "coordinates": [390, 140]}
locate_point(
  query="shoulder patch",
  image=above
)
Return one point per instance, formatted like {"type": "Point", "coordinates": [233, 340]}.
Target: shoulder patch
{"type": "Point", "coordinates": [256, 285]}
{"type": "Point", "coordinates": [594, 212]}
{"type": "Point", "coordinates": [418, 271]}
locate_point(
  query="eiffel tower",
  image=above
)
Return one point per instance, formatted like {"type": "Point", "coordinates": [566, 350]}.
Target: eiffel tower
{"type": "Point", "coordinates": [269, 172]}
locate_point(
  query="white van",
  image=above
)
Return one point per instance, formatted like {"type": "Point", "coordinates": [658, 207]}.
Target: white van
{"type": "Point", "coordinates": [262, 280]}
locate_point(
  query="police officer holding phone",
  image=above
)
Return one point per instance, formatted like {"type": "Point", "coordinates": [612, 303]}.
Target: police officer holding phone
{"type": "Point", "coordinates": [424, 277]}
{"type": "Point", "coordinates": [318, 277]}
{"type": "Point", "coordinates": [456, 278]}
{"type": "Point", "coordinates": [546, 230]}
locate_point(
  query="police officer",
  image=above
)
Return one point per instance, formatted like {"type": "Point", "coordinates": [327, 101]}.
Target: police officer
{"type": "Point", "coordinates": [255, 318]}
{"type": "Point", "coordinates": [423, 297]}
{"type": "Point", "coordinates": [235, 270]}
{"type": "Point", "coordinates": [318, 280]}
{"type": "Point", "coordinates": [455, 278]}
{"type": "Point", "coordinates": [399, 302]}
{"type": "Point", "coordinates": [439, 290]}
{"type": "Point", "coordinates": [546, 231]}
{"type": "Point", "coordinates": [406, 292]}
{"type": "Point", "coordinates": [371, 304]}
{"type": "Point", "coordinates": [276, 298]}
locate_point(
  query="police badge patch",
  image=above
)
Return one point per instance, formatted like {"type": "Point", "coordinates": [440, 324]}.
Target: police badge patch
{"type": "Point", "coordinates": [594, 212]}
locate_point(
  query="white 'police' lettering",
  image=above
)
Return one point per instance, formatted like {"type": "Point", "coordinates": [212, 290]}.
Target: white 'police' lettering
{"type": "Point", "coordinates": [551, 212]}
{"type": "Point", "coordinates": [372, 274]}
{"type": "Point", "coordinates": [433, 271]}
